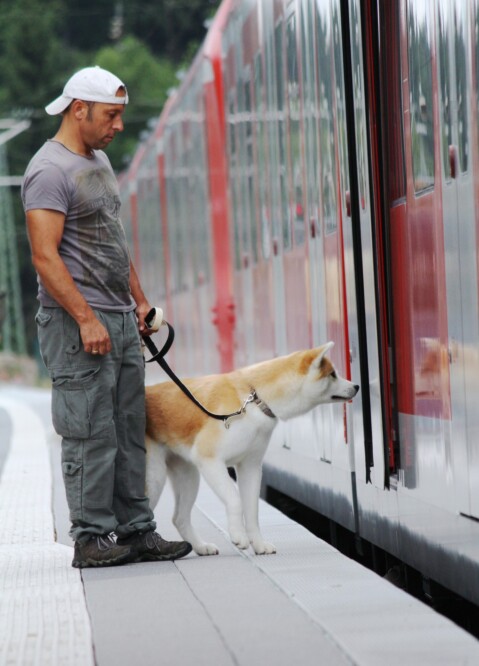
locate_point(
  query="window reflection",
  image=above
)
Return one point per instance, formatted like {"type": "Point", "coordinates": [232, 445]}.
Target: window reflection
{"type": "Point", "coordinates": [420, 92]}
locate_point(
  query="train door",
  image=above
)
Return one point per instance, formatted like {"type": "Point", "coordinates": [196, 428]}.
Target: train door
{"type": "Point", "coordinates": [455, 103]}
{"type": "Point", "coordinates": [363, 276]}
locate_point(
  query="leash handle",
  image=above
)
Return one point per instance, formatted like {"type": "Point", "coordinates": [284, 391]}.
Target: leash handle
{"type": "Point", "coordinates": [153, 349]}
{"type": "Point", "coordinates": [159, 357]}
{"type": "Point", "coordinates": [154, 319]}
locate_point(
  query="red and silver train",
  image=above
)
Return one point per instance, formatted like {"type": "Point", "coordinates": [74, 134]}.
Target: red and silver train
{"type": "Point", "coordinates": [316, 177]}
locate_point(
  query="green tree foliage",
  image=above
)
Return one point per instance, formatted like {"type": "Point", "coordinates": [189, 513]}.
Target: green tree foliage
{"type": "Point", "coordinates": [32, 58]}
{"type": "Point", "coordinates": [165, 26]}
{"type": "Point", "coordinates": [168, 26]}
{"type": "Point", "coordinates": [43, 42]}
{"type": "Point", "coordinates": [32, 62]}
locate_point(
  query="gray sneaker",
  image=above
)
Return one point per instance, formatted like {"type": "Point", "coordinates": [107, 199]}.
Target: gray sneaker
{"type": "Point", "coordinates": [151, 547]}
{"type": "Point", "coordinates": [101, 551]}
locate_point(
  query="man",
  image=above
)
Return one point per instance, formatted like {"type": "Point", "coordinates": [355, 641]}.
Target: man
{"type": "Point", "coordinates": [92, 312]}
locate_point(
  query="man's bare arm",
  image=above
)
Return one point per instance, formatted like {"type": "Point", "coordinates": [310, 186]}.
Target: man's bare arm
{"type": "Point", "coordinates": [142, 304]}
{"type": "Point", "coordinates": [45, 230]}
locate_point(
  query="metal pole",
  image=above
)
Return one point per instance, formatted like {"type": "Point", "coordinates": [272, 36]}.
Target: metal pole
{"type": "Point", "coordinates": [12, 326]}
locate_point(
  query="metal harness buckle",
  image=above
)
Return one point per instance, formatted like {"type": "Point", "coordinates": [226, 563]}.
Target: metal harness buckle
{"type": "Point", "coordinates": [240, 412]}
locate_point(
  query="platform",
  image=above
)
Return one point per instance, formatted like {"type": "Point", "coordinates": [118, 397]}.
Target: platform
{"type": "Point", "coordinates": [308, 604]}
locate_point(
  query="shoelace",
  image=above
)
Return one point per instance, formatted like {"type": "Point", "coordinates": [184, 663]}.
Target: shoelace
{"type": "Point", "coordinates": [105, 542]}
{"type": "Point", "coordinates": [153, 540]}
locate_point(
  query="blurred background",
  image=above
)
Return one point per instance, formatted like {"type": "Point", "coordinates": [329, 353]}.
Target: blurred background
{"type": "Point", "coordinates": [147, 43]}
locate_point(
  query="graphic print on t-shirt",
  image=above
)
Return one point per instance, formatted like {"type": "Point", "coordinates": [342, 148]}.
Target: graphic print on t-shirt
{"type": "Point", "coordinates": [101, 238]}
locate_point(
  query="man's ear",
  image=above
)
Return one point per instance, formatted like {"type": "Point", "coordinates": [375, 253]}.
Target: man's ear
{"type": "Point", "coordinates": [79, 109]}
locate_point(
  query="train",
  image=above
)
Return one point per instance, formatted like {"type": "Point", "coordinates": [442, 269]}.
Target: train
{"type": "Point", "coordinates": [315, 177]}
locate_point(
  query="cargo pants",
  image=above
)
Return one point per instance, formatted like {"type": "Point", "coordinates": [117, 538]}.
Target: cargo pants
{"type": "Point", "coordinates": [98, 408]}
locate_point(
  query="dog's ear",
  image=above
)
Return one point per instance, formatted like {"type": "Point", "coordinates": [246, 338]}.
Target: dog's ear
{"type": "Point", "coordinates": [324, 350]}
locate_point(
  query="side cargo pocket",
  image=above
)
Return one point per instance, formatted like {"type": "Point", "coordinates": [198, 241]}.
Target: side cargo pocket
{"type": "Point", "coordinates": [72, 401]}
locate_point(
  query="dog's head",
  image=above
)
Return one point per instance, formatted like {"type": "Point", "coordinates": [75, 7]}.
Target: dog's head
{"type": "Point", "coordinates": [322, 384]}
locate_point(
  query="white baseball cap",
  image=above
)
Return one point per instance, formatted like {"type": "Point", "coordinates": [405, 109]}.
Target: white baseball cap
{"type": "Point", "coordinates": [91, 84]}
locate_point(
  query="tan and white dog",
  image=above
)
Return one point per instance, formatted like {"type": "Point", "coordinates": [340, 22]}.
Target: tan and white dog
{"type": "Point", "coordinates": [183, 441]}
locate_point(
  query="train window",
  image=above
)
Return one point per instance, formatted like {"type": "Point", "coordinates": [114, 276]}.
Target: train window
{"type": "Point", "coordinates": [234, 177]}
{"type": "Point", "coordinates": [453, 84]}
{"type": "Point", "coordinates": [476, 49]}
{"type": "Point", "coordinates": [340, 95]}
{"type": "Point", "coordinates": [173, 201]}
{"type": "Point", "coordinates": [294, 108]}
{"type": "Point", "coordinates": [310, 116]}
{"type": "Point", "coordinates": [420, 93]}
{"type": "Point", "coordinates": [149, 229]}
{"type": "Point", "coordinates": [392, 103]}
{"type": "Point", "coordinates": [244, 135]}
{"type": "Point", "coordinates": [271, 120]}
{"type": "Point", "coordinates": [331, 106]}
{"type": "Point", "coordinates": [249, 168]}
{"type": "Point", "coordinates": [460, 40]}
{"type": "Point", "coordinates": [444, 85]}
{"type": "Point", "coordinates": [182, 218]}
{"type": "Point", "coordinates": [261, 156]}
{"type": "Point", "coordinates": [199, 206]}
{"type": "Point", "coordinates": [359, 101]}
{"type": "Point", "coordinates": [283, 173]}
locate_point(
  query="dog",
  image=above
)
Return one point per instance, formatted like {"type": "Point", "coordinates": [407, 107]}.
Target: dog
{"type": "Point", "coordinates": [182, 441]}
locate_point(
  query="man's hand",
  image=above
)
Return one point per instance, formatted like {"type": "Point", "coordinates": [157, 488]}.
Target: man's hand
{"type": "Point", "coordinates": [95, 337]}
{"type": "Point", "coordinates": [142, 305]}
{"type": "Point", "coordinates": [141, 311]}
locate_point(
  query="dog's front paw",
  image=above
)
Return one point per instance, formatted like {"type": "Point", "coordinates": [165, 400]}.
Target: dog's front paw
{"type": "Point", "coordinates": [206, 549]}
{"type": "Point", "coordinates": [263, 548]}
{"type": "Point", "coordinates": [240, 540]}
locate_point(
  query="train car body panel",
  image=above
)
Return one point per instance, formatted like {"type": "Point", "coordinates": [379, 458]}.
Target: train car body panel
{"type": "Point", "coordinates": [150, 237]}
{"type": "Point", "coordinates": [318, 179]}
{"type": "Point", "coordinates": [456, 103]}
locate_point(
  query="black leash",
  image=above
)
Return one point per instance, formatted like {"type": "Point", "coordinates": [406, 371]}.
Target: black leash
{"type": "Point", "coordinates": [159, 357]}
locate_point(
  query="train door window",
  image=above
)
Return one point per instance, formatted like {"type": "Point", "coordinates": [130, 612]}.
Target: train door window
{"type": "Point", "coordinates": [283, 159]}
{"type": "Point", "coordinates": [421, 94]}
{"type": "Point", "coordinates": [461, 24]}
{"type": "Point", "coordinates": [261, 156]}
{"type": "Point", "coordinates": [392, 103]}
{"type": "Point", "coordinates": [294, 109]}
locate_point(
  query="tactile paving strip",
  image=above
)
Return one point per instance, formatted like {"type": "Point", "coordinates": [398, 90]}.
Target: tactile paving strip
{"type": "Point", "coordinates": [43, 615]}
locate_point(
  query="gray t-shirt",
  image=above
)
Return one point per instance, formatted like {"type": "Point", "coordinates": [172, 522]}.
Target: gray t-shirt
{"type": "Point", "coordinates": [93, 245]}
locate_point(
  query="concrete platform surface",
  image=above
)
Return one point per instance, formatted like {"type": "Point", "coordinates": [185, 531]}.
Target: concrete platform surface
{"type": "Point", "coordinates": [308, 604]}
